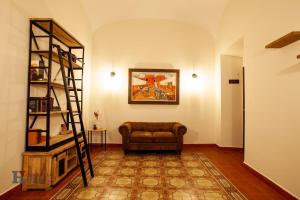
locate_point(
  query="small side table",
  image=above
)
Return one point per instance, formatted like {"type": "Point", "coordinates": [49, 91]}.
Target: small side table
{"type": "Point", "coordinates": [90, 133]}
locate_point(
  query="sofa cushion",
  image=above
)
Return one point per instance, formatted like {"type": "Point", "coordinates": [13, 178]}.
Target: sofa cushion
{"type": "Point", "coordinates": [141, 136]}
{"type": "Point", "coordinates": [164, 137]}
{"type": "Point", "coordinates": [152, 126]}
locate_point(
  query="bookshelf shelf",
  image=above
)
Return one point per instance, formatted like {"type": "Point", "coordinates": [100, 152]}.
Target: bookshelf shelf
{"type": "Point", "coordinates": [51, 113]}
{"type": "Point", "coordinates": [45, 82]}
{"type": "Point", "coordinates": [58, 32]}
{"type": "Point", "coordinates": [55, 58]}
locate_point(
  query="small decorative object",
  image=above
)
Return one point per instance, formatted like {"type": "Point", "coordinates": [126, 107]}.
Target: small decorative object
{"type": "Point", "coordinates": [41, 71]}
{"type": "Point", "coordinates": [112, 74]}
{"type": "Point", "coordinates": [34, 136]}
{"type": "Point", "coordinates": [153, 86]}
{"type": "Point", "coordinates": [34, 75]}
{"type": "Point", "coordinates": [34, 63]}
{"type": "Point", "coordinates": [95, 126]}
{"type": "Point", "coordinates": [73, 58]}
{"type": "Point", "coordinates": [194, 75]}
{"type": "Point", "coordinates": [97, 116]}
{"type": "Point", "coordinates": [63, 129]}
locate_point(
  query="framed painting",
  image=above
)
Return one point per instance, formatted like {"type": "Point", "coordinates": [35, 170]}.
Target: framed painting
{"type": "Point", "coordinates": [153, 86]}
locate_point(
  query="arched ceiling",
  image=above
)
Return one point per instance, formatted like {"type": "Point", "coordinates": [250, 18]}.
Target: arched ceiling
{"type": "Point", "coordinates": [204, 13]}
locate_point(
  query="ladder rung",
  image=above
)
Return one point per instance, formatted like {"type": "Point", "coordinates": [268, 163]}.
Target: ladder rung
{"type": "Point", "coordinates": [73, 89]}
{"type": "Point", "coordinates": [37, 51]}
{"type": "Point", "coordinates": [41, 36]}
{"type": "Point", "coordinates": [75, 101]}
{"type": "Point", "coordinates": [38, 67]}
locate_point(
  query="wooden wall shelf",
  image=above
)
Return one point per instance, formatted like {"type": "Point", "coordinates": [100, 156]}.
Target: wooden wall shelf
{"type": "Point", "coordinates": [285, 40]}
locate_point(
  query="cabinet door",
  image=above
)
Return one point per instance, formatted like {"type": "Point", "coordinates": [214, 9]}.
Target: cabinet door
{"type": "Point", "coordinates": [59, 169]}
{"type": "Point", "coordinates": [37, 172]}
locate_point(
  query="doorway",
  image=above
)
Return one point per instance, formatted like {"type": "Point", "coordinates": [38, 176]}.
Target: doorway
{"type": "Point", "coordinates": [233, 97]}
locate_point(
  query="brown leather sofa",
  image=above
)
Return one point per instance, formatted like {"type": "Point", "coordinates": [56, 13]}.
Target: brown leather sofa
{"type": "Point", "coordinates": [152, 136]}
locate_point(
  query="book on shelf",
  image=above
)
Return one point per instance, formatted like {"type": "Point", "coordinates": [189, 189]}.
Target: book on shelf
{"type": "Point", "coordinates": [39, 104]}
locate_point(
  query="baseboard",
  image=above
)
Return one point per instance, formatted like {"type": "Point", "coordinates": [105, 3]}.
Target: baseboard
{"type": "Point", "coordinates": [114, 145]}
{"type": "Point", "coordinates": [276, 187]}
{"type": "Point", "coordinates": [107, 145]}
{"type": "Point", "coordinates": [199, 145]}
{"type": "Point", "coordinates": [184, 145]}
{"type": "Point", "coordinates": [230, 148]}
{"type": "Point", "coordinates": [8, 194]}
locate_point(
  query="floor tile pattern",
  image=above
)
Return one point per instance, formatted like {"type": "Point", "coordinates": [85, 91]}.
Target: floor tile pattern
{"type": "Point", "coordinates": [151, 176]}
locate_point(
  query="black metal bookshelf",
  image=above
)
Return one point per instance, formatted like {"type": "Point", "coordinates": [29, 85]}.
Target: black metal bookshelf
{"type": "Point", "coordinates": [44, 33]}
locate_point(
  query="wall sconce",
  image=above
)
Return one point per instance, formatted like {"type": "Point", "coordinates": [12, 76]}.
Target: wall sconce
{"type": "Point", "coordinates": [112, 74]}
{"type": "Point", "coordinates": [194, 75]}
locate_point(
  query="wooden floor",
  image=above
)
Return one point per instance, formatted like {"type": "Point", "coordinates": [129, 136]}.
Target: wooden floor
{"type": "Point", "coordinates": [229, 162]}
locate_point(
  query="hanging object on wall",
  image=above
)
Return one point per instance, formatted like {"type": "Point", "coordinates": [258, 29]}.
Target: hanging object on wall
{"type": "Point", "coordinates": [234, 81]}
{"type": "Point", "coordinates": [194, 75]}
{"type": "Point", "coordinates": [153, 86]}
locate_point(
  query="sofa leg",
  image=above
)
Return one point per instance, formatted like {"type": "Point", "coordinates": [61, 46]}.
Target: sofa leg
{"type": "Point", "coordinates": [179, 152]}
{"type": "Point", "coordinates": [125, 152]}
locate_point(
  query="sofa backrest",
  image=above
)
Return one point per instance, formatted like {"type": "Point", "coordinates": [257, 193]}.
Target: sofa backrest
{"type": "Point", "coordinates": [152, 126]}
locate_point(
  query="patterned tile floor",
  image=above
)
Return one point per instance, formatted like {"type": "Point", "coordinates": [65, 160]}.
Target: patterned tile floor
{"type": "Point", "coordinates": [148, 176]}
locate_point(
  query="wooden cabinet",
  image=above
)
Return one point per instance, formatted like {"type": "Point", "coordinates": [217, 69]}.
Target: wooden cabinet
{"type": "Point", "coordinates": [42, 170]}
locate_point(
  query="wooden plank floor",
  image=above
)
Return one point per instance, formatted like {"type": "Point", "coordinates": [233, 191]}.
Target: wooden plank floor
{"type": "Point", "coordinates": [229, 162]}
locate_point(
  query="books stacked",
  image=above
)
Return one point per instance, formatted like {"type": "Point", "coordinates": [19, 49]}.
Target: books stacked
{"type": "Point", "coordinates": [39, 104]}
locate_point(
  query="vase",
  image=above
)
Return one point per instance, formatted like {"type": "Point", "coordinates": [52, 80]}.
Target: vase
{"type": "Point", "coordinates": [95, 126]}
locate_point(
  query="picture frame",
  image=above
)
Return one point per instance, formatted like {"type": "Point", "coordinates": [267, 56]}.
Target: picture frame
{"type": "Point", "coordinates": [153, 86]}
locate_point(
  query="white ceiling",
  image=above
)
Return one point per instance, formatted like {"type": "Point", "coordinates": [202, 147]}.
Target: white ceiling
{"type": "Point", "coordinates": [205, 13]}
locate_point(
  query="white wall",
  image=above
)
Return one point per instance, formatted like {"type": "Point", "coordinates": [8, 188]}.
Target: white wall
{"type": "Point", "coordinates": [14, 21]}
{"type": "Point", "coordinates": [272, 86]}
{"type": "Point", "coordinates": [231, 102]}
{"type": "Point", "coordinates": [155, 44]}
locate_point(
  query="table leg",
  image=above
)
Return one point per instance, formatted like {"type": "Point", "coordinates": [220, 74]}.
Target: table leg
{"type": "Point", "coordinates": [101, 133]}
{"type": "Point", "coordinates": [91, 141]}
{"type": "Point", "coordinates": [105, 140]}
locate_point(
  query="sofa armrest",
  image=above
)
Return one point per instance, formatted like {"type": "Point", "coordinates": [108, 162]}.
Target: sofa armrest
{"type": "Point", "coordinates": [125, 129]}
{"type": "Point", "coordinates": [179, 129]}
